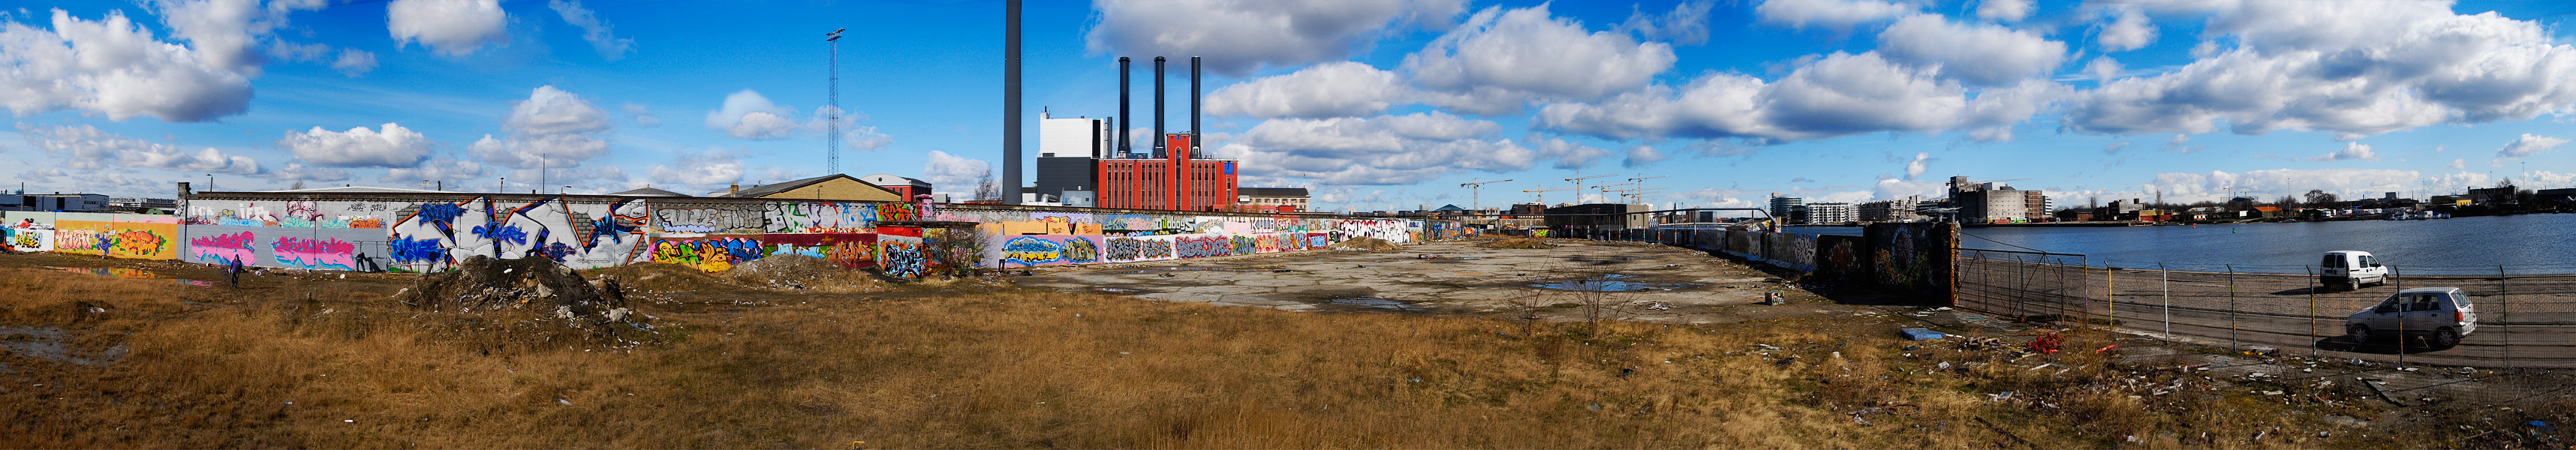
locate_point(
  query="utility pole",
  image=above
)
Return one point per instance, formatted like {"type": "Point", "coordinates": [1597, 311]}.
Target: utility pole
{"type": "Point", "coordinates": [832, 141]}
{"type": "Point", "coordinates": [1475, 200]}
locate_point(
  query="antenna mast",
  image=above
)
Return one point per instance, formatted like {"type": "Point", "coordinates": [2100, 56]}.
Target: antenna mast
{"type": "Point", "coordinates": [833, 114]}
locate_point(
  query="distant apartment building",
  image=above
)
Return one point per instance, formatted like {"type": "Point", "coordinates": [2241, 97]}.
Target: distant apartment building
{"type": "Point", "coordinates": [139, 205]}
{"type": "Point", "coordinates": [1286, 200]}
{"type": "Point", "coordinates": [1790, 210]}
{"type": "Point", "coordinates": [65, 202]}
{"type": "Point", "coordinates": [1899, 210]}
{"type": "Point", "coordinates": [1996, 203]}
{"type": "Point", "coordinates": [1831, 213]}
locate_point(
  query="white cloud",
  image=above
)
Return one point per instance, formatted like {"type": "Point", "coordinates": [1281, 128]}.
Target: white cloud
{"type": "Point", "coordinates": [1841, 94]}
{"type": "Point", "coordinates": [643, 116]}
{"type": "Point", "coordinates": [84, 147]}
{"type": "Point", "coordinates": [1333, 89]}
{"type": "Point", "coordinates": [437, 169]}
{"type": "Point", "coordinates": [2187, 187]}
{"type": "Point", "coordinates": [1686, 24]}
{"type": "Point", "coordinates": [1828, 13]}
{"type": "Point", "coordinates": [2527, 145]}
{"type": "Point", "coordinates": [225, 32]}
{"type": "Point", "coordinates": [2459, 164]}
{"type": "Point", "coordinates": [2181, 143]}
{"type": "Point", "coordinates": [2115, 147]}
{"type": "Point", "coordinates": [450, 27]}
{"type": "Point", "coordinates": [2351, 151]}
{"type": "Point", "coordinates": [551, 129]}
{"type": "Point", "coordinates": [1238, 37]}
{"type": "Point", "coordinates": [865, 138]}
{"type": "Point", "coordinates": [1377, 150]}
{"type": "Point", "coordinates": [115, 67]}
{"type": "Point", "coordinates": [2352, 68]}
{"type": "Point", "coordinates": [1978, 55]}
{"type": "Point", "coordinates": [705, 170]}
{"type": "Point", "coordinates": [1914, 169]}
{"type": "Point", "coordinates": [354, 63]}
{"type": "Point", "coordinates": [596, 31]}
{"type": "Point", "coordinates": [1568, 155]}
{"type": "Point", "coordinates": [2127, 30]}
{"type": "Point", "coordinates": [748, 115]}
{"type": "Point", "coordinates": [1641, 156]}
{"type": "Point", "coordinates": [2103, 69]}
{"type": "Point", "coordinates": [954, 175]}
{"type": "Point", "coordinates": [1893, 188]}
{"type": "Point", "coordinates": [1505, 57]}
{"type": "Point", "coordinates": [394, 146]}
{"type": "Point", "coordinates": [297, 171]}
{"type": "Point", "coordinates": [2003, 10]}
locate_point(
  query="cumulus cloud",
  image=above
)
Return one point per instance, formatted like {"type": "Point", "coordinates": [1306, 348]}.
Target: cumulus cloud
{"type": "Point", "coordinates": [1641, 156]}
{"type": "Point", "coordinates": [2352, 68]}
{"type": "Point", "coordinates": [2127, 29]}
{"type": "Point", "coordinates": [450, 27]}
{"type": "Point", "coordinates": [226, 32]}
{"type": "Point", "coordinates": [84, 147]}
{"type": "Point", "coordinates": [701, 170]}
{"type": "Point", "coordinates": [115, 67]}
{"type": "Point", "coordinates": [1828, 13]}
{"type": "Point", "coordinates": [1838, 95]}
{"type": "Point", "coordinates": [865, 138]}
{"type": "Point", "coordinates": [1499, 58]}
{"type": "Point", "coordinates": [596, 31]}
{"type": "Point", "coordinates": [2351, 151]}
{"type": "Point", "coordinates": [436, 169]}
{"type": "Point", "coordinates": [1238, 37]}
{"type": "Point", "coordinates": [1894, 188]}
{"type": "Point", "coordinates": [297, 171]}
{"type": "Point", "coordinates": [354, 63]}
{"type": "Point", "coordinates": [2003, 10]}
{"type": "Point", "coordinates": [1568, 155]}
{"type": "Point", "coordinates": [2186, 187]}
{"type": "Point", "coordinates": [1686, 24]}
{"type": "Point", "coordinates": [643, 116]}
{"type": "Point", "coordinates": [1334, 89]}
{"type": "Point", "coordinates": [551, 129]}
{"type": "Point", "coordinates": [748, 115]}
{"type": "Point", "coordinates": [394, 146]}
{"type": "Point", "coordinates": [2527, 145]}
{"type": "Point", "coordinates": [1978, 55]}
{"type": "Point", "coordinates": [2103, 69]}
{"type": "Point", "coordinates": [1914, 169]}
{"type": "Point", "coordinates": [2459, 163]}
{"type": "Point", "coordinates": [953, 174]}
{"type": "Point", "coordinates": [1377, 150]}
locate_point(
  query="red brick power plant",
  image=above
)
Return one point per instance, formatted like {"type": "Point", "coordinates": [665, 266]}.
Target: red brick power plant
{"type": "Point", "coordinates": [1172, 176]}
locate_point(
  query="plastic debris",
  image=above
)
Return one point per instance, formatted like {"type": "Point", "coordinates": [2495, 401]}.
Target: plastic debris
{"type": "Point", "coordinates": [1921, 334]}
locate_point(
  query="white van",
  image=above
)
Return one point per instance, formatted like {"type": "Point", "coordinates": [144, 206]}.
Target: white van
{"type": "Point", "coordinates": [2443, 314]}
{"type": "Point", "coordinates": [2350, 269]}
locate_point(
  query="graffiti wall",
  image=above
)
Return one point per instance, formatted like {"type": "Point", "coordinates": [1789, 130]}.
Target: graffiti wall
{"type": "Point", "coordinates": [1913, 256]}
{"type": "Point", "coordinates": [848, 250]}
{"type": "Point", "coordinates": [1050, 250]}
{"type": "Point", "coordinates": [131, 240]}
{"type": "Point", "coordinates": [709, 253]}
{"type": "Point", "coordinates": [27, 235]}
{"type": "Point", "coordinates": [292, 248]}
{"type": "Point", "coordinates": [1842, 257]}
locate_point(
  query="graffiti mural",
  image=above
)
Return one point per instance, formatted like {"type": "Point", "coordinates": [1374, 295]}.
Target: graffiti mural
{"type": "Point", "coordinates": [901, 256]}
{"type": "Point", "coordinates": [848, 250]}
{"type": "Point", "coordinates": [793, 217]}
{"type": "Point", "coordinates": [222, 248]}
{"type": "Point", "coordinates": [711, 254]}
{"type": "Point", "coordinates": [315, 254]}
{"type": "Point", "coordinates": [709, 219]}
{"type": "Point", "coordinates": [132, 240]}
{"type": "Point", "coordinates": [1030, 251]}
{"type": "Point", "coordinates": [443, 227]}
{"type": "Point", "coordinates": [1913, 256]}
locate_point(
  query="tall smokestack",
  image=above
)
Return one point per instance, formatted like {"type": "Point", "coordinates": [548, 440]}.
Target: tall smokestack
{"type": "Point", "coordinates": [1159, 151]}
{"type": "Point", "coordinates": [1010, 106]}
{"type": "Point", "coordinates": [1194, 108]}
{"type": "Point", "coordinates": [1123, 148]}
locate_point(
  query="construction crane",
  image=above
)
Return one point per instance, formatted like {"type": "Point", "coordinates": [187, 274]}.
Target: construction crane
{"type": "Point", "coordinates": [1476, 199]}
{"type": "Point", "coordinates": [1542, 193]}
{"type": "Point", "coordinates": [1578, 183]}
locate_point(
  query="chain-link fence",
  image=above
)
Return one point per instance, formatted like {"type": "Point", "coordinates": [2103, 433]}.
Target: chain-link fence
{"type": "Point", "coordinates": [2522, 320]}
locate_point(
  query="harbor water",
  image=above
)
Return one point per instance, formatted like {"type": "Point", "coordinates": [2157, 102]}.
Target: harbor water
{"type": "Point", "coordinates": [2520, 244]}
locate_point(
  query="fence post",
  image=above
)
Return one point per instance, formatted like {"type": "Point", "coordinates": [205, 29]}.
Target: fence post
{"type": "Point", "coordinates": [2504, 301]}
{"type": "Point", "coordinates": [2168, 298]}
{"type": "Point", "coordinates": [2232, 343]}
{"type": "Point", "coordinates": [2312, 308]}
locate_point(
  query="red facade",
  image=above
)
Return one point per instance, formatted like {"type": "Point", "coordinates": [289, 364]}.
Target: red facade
{"type": "Point", "coordinates": [1173, 183]}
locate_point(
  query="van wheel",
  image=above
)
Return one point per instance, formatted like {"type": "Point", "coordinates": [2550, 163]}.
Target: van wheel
{"type": "Point", "coordinates": [2446, 338]}
{"type": "Point", "coordinates": [2358, 333]}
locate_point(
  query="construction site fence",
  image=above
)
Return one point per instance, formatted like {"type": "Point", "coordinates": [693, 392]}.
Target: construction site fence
{"type": "Point", "coordinates": [2522, 320]}
{"type": "Point", "coordinates": [1911, 257]}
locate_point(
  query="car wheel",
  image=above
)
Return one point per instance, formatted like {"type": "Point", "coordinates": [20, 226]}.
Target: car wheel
{"type": "Point", "coordinates": [2446, 338]}
{"type": "Point", "coordinates": [2359, 333]}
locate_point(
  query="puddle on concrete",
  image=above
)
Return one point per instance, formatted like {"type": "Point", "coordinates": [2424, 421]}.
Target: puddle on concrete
{"type": "Point", "coordinates": [1611, 286]}
{"type": "Point", "coordinates": [52, 344]}
{"type": "Point", "coordinates": [120, 272]}
{"type": "Point", "coordinates": [1378, 303]}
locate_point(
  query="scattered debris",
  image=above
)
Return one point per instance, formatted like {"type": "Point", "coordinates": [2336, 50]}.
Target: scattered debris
{"type": "Point", "coordinates": [1921, 334]}
{"type": "Point", "coordinates": [1366, 244]}
{"type": "Point", "coordinates": [1518, 243]}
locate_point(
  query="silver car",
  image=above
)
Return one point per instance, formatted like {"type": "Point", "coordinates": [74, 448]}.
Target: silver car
{"type": "Point", "coordinates": [2442, 314]}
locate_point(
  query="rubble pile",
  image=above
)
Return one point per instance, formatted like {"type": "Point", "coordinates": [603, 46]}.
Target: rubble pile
{"type": "Point", "coordinates": [800, 273]}
{"type": "Point", "coordinates": [516, 293]}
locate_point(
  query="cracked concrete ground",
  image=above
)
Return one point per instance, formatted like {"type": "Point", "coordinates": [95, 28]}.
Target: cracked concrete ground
{"type": "Point", "coordinates": [1648, 283]}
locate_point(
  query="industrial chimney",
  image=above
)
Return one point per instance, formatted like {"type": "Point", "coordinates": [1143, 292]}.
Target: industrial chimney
{"type": "Point", "coordinates": [1159, 151]}
{"type": "Point", "coordinates": [1010, 107]}
{"type": "Point", "coordinates": [1123, 148]}
{"type": "Point", "coordinates": [1194, 108]}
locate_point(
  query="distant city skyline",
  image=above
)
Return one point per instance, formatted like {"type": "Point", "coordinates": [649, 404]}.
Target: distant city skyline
{"type": "Point", "coordinates": [1370, 104]}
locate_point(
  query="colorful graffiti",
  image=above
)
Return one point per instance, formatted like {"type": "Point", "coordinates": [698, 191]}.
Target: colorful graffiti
{"type": "Point", "coordinates": [221, 248]}
{"type": "Point", "coordinates": [901, 256]}
{"type": "Point", "coordinates": [314, 254]}
{"type": "Point", "coordinates": [408, 250]}
{"type": "Point", "coordinates": [1030, 251]}
{"type": "Point", "coordinates": [716, 254]}
{"type": "Point", "coordinates": [1193, 246]}
{"type": "Point", "coordinates": [1081, 250]}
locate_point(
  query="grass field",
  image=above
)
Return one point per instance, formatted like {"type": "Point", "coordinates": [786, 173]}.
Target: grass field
{"type": "Point", "coordinates": [970, 364]}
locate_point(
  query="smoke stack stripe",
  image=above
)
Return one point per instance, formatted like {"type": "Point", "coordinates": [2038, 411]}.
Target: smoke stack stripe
{"type": "Point", "coordinates": [1159, 151]}
{"type": "Point", "coordinates": [1194, 108]}
{"type": "Point", "coordinates": [1123, 148]}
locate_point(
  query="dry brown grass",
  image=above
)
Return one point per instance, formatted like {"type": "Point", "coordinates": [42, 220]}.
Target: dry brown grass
{"type": "Point", "coordinates": [971, 366]}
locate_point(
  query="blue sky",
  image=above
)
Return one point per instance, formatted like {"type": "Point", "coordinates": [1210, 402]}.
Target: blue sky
{"type": "Point", "coordinates": [1374, 104]}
